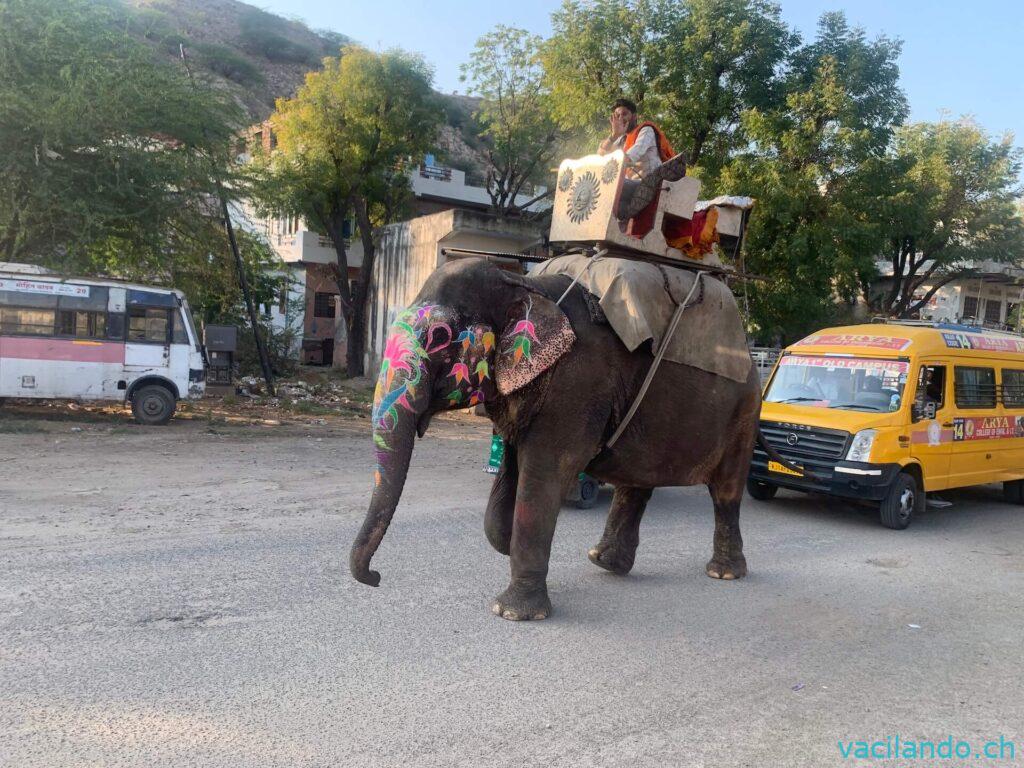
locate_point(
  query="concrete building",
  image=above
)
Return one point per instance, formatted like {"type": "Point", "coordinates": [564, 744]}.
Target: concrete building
{"type": "Point", "coordinates": [308, 300]}
{"type": "Point", "coordinates": [991, 295]}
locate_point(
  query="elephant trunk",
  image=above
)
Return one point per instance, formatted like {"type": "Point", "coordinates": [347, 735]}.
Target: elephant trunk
{"type": "Point", "coordinates": [393, 449]}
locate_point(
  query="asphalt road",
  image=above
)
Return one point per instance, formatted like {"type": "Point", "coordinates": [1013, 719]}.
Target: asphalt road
{"type": "Point", "coordinates": [181, 597]}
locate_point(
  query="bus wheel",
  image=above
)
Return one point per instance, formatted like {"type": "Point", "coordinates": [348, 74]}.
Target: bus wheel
{"type": "Point", "coordinates": [1013, 491]}
{"type": "Point", "coordinates": [153, 405]}
{"type": "Point", "coordinates": [760, 490]}
{"type": "Point", "coordinates": [901, 502]}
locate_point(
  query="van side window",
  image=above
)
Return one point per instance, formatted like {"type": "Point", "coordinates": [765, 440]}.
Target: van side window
{"type": "Point", "coordinates": [931, 386]}
{"type": "Point", "coordinates": [975, 387]}
{"type": "Point", "coordinates": [148, 324]}
{"type": "Point", "coordinates": [1013, 388]}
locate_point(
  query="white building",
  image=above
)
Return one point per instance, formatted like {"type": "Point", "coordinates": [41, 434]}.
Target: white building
{"type": "Point", "coordinates": [990, 295]}
{"type": "Point", "coordinates": [307, 303]}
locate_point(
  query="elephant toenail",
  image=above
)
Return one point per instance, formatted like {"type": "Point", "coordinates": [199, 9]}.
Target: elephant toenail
{"type": "Point", "coordinates": [728, 576]}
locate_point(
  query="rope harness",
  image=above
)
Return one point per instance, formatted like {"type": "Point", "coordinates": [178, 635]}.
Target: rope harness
{"type": "Point", "coordinates": [662, 349]}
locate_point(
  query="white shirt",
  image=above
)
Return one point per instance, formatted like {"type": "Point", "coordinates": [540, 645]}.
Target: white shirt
{"type": "Point", "coordinates": [644, 149]}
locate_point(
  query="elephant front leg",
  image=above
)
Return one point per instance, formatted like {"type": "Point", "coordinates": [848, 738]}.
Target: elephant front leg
{"type": "Point", "coordinates": [498, 519]}
{"type": "Point", "coordinates": [538, 499]}
{"type": "Point", "coordinates": [617, 549]}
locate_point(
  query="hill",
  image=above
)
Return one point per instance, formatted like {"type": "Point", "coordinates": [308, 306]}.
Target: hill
{"type": "Point", "coordinates": [259, 56]}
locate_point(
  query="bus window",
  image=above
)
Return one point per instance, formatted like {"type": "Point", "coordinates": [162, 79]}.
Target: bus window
{"type": "Point", "coordinates": [82, 325]}
{"type": "Point", "coordinates": [148, 324]}
{"type": "Point", "coordinates": [115, 326]}
{"type": "Point", "coordinates": [180, 335]}
{"type": "Point", "coordinates": [31, 322]}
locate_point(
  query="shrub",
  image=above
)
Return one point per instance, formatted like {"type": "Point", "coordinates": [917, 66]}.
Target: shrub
{"type": "Point", "coordinates": [260, 34]}
{"type": "Point", "coordinates": [227, 63]}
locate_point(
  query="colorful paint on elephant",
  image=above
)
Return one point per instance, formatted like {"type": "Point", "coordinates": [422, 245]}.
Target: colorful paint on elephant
{"type": "Point", "coordinates": [415, 334]}
{"type": "Point", "coordinates": [522, 337]}
{"type": "Point", "coordinates": [471, 370]}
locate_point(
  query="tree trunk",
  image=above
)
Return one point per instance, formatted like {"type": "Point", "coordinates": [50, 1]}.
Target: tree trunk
{"type": "Point", "coordinates": [357, 321]}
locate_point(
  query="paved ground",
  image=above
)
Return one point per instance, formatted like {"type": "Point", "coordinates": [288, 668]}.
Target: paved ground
{"type": "Point", "coordinates": [180, 596]}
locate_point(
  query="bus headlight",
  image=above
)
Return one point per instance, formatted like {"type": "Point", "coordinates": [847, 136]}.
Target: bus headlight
{"type": "Point", "coordinates": [860, 448]}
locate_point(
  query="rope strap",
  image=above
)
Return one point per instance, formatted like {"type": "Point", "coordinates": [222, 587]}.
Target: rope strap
{"type": "Point", "coordinates": [590, 263]}
{"type": "Point", "coordinates": [669, 333]}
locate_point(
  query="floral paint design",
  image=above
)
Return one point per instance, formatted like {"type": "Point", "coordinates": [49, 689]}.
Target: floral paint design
{"type": "Point", "coordinates": [522, 338]}
{"type": "Point", "coordinates": [415, 335]}
{"type": "Point", "coordinates": [472, 367]}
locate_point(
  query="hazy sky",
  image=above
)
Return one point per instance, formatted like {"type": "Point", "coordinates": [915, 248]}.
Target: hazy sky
{"type": "Point", "coordinates": [958, 57]}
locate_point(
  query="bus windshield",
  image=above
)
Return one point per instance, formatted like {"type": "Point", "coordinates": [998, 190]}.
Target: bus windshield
{"type": "Point", "coordinates": [849, 383]}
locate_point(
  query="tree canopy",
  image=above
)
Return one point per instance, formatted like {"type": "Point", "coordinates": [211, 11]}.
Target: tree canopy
{"type": "Point", "coordinates": [954, 203]}
{"type": "Point", "coordinates": [344, 145]}
{"type": "Point", "coordinates": [504, 69]}
{"type": "Point", "coordinates": [101, 139]}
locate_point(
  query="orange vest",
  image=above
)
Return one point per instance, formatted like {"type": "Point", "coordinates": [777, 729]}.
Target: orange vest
{"type": "Point", "coordinates": [665, 151]}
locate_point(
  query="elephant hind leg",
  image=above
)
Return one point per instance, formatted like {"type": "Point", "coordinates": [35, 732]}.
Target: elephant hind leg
{"type": "Point", "coordinates": [501, 503]}
{"type": "Point", "coordinates": [617, 549]}
{"type": "Point", "coordinates": [727, 560]}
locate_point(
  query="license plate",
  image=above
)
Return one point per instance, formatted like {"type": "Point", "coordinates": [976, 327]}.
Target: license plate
{"type": "Point", "coordinates": [774, 466]}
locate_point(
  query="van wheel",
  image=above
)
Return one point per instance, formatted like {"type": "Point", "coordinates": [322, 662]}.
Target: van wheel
{"type": "Point", "coordinates": [153, 405]}
{"type": "Point", "coordinates": [761, 490]}
{"type": "Point", "coordinates": [901, 502]}
{"type": "Point", "coordinates": [1013, 491]}
{"type": "Point", "coordinates": [588, 492]}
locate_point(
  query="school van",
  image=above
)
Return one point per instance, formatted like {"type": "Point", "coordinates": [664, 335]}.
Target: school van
{"type": "Point", "coordinates": [889, 412]}
{"type": "Point", "coordinates": [97, 340]}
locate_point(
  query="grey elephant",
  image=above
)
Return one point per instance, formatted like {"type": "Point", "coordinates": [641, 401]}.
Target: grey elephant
{"type": "Point", "coordinates": [556, 384]}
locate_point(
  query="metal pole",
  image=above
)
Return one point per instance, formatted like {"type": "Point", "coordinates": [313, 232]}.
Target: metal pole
{"type": "Point", "coordinates": [243, 281]}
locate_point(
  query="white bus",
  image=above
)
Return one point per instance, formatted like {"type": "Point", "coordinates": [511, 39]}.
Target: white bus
{"type": "Point", "coordinates": [83, 339]}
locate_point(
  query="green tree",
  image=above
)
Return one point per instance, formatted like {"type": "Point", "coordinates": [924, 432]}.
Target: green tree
{"type": "Point", "coordinates": [101, 139]}
{"type": "Point", "coordinates": [342, 144]}
{"type": "Point", "coordinates": [955, 201]}
{"type": "Point", "coordinates": [816, 168]}
{"type": "Point", "coordinates": [505, 71]}
{"type": "Point", "coordinates": [693, 67]}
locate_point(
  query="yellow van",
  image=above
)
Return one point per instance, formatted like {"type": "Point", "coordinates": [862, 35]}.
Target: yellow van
{"type": "Point", "coordinates": [891, 411]}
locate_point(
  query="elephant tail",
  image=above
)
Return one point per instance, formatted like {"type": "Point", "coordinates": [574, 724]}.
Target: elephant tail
{"type": "Point", "coordinates": [776, 456]}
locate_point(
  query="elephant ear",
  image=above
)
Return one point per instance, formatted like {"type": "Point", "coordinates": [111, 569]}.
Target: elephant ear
{"type": "Point", "coordinates": [536, 335]}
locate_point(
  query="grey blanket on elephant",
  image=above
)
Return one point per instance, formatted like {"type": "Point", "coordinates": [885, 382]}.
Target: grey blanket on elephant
{"type": "Point", "coordinates": [640, 298]}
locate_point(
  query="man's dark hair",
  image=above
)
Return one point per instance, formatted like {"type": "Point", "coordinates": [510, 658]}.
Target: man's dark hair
{"type": "Point", "coordinates": [630, 105]}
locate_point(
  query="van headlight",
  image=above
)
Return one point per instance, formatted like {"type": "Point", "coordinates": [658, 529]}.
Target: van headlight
{"type": "Point", "coordinates": [860, 448]}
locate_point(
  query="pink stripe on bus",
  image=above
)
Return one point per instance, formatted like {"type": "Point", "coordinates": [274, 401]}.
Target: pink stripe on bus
{"type": "Point", "coordinates": [67, 350]}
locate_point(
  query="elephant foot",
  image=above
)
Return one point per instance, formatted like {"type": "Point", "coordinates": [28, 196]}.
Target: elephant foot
{"type": "Point", "coordinates": [616, 559]}
{"type": "Point", "coordinates": [727, 569]}
{"type": "Point", "coordinates": [517, 605]}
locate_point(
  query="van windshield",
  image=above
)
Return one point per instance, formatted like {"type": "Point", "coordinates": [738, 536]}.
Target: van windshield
{"type": "Point", "coordinates": [849, 383]}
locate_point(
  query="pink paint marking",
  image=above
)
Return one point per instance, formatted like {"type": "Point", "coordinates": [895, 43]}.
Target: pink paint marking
{"type": "Point", "coordinates": [64, 350]}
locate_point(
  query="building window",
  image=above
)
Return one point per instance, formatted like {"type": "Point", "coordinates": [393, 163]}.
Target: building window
{"type": "Point", "coordinates": [992, 308]}
{"type": "Point", "coordinates": [970, 308]}
{"type": "Point", "coordinates": [1013, 388]}
{"type": "Point", "coordinates": [975, 387]}
{"type": "Point", "coordinates": [323, 304]}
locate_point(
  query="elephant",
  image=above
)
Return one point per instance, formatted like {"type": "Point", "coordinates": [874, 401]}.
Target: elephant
{"type": "Point", "coordinates": [556, 383]}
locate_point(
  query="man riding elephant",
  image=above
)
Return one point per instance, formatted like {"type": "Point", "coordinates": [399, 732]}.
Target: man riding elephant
{"type": "Point", "coordinates": [652, 159]}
